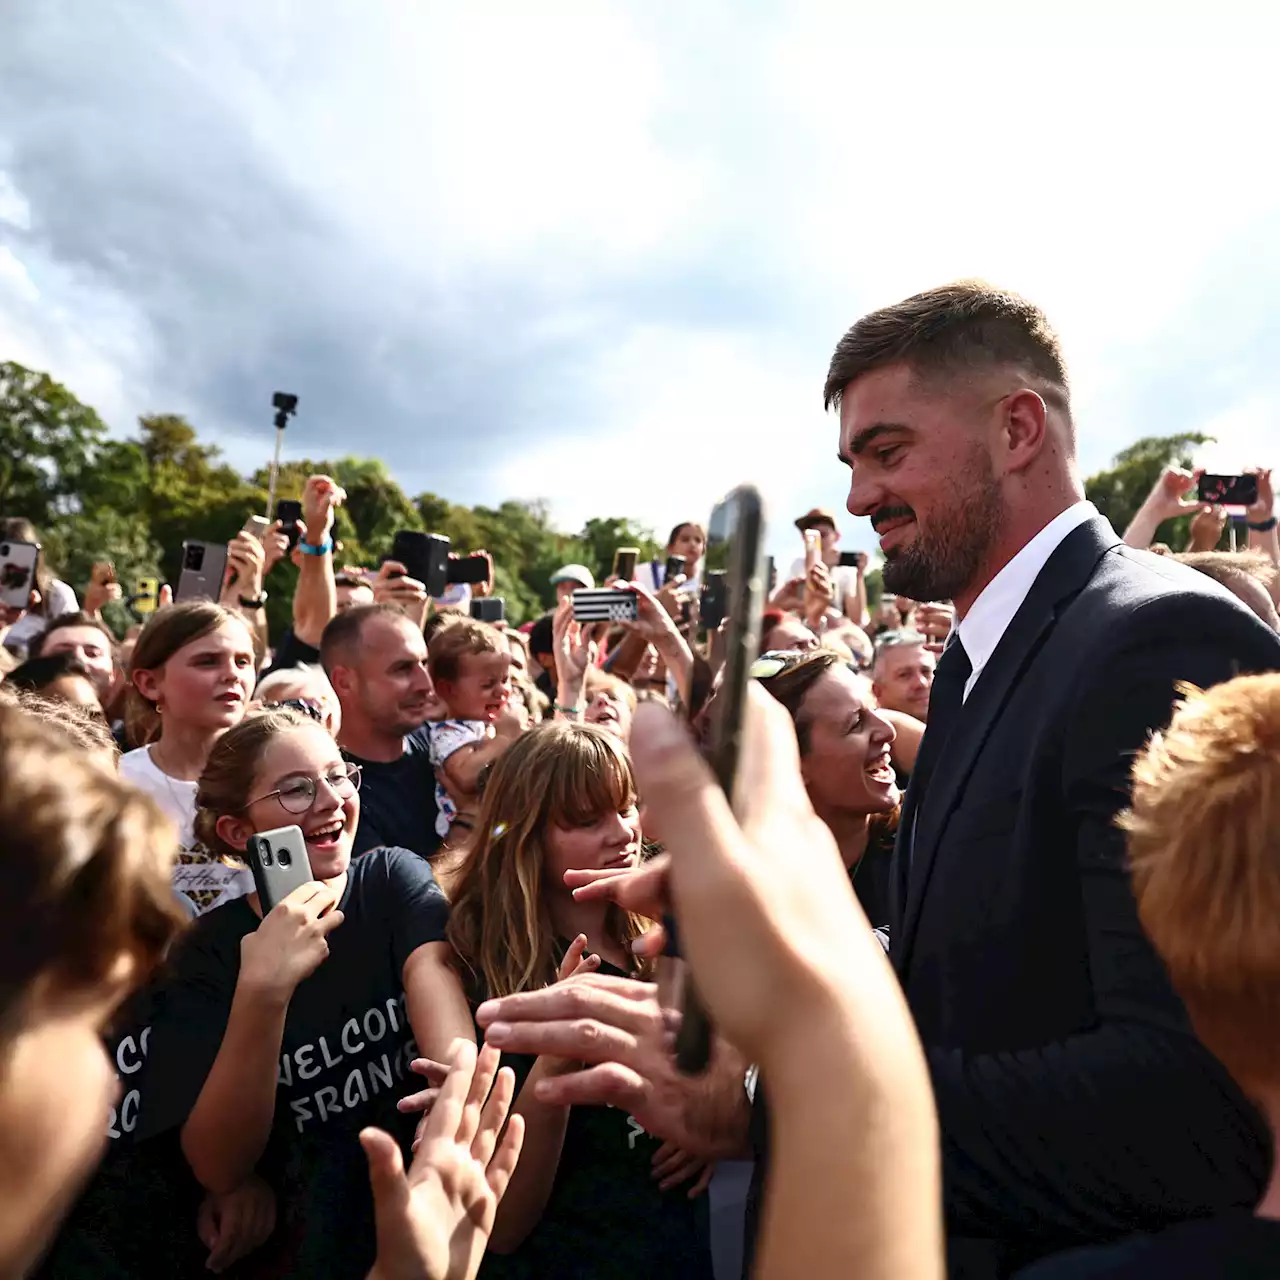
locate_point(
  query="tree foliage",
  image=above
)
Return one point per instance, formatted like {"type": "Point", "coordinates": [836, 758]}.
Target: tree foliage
{"type": "Point", "coordinates": [1119, 491]}
{"type": "Point", "coordinates": [133, 502]}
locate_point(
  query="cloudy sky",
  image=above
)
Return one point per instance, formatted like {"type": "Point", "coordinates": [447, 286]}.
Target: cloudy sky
{"type": "Point", "coordinates": [600, 252]}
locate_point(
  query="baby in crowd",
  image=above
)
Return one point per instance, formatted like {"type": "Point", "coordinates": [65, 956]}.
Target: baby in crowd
{"type": "Point", "coordinates": [470, 666]}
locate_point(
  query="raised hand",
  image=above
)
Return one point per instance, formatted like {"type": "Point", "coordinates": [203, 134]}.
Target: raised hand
{"type": "Point", "coordinates": [433, 1223]}
{"type": "Point", "coordinates": [246, 563]}
{"type": "Point", "coordinates": [275, 545]}
{"type": "Point", "coordinates": [321, 498]}
{"type": "Point", "coordinates": [1264, 508]}
{"type": "Point", "coordinates": [102, 588]}
{"type": "Point", "coordinates": [1168, 499]}
{"type": "Point", "coordinates": [291, 942]}
{"type": "Point", "coordinates": [575, 646]}
{"type": "Point", "coordinates": [394, 586]}
{"type": "Point", "coordinates": [1206, 528]}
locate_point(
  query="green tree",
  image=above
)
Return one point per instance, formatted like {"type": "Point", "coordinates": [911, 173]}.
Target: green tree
{"type": "Point", "coordinates": [191, 494]}
{"type": "Point", "coordinates": [600, 538]}
{"type": "Point", "coordinates": [75, 543]}
{"type": "Point", "coordinates": [49, 443]}
{"type": "Point", "coordinates": [1119, 491]}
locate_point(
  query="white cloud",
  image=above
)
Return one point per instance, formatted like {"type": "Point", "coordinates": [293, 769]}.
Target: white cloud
{"type": "Point", "coordinates": [687, 208]}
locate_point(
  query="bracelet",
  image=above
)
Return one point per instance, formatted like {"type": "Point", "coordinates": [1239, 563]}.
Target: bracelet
{"type": "Point", "coordinates": [323, 549]}
{"type": "Point", "coordinates": [1262, 526]}
{"type": "Point", "coordinates": [568, 711]}
{"type": "Point", "coordinates": [254, 602]}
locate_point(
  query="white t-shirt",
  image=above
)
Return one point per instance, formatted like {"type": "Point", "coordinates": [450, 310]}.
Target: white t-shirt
{"type": "Point", "coordinates": [649, 573]}
{"type": "Point", "coordinates": [205, 881]}
{"type": "Point", "coordinates": [844, 582]}
{"type": "Point", "coordinates": [61, 600]}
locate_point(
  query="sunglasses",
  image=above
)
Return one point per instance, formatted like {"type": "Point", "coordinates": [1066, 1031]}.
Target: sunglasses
{"type": "Point", "coordinates": [774, 663]}
{"type": "Point", "coordinates": [307, 706]}
{"type": "Point", "coordinates": [298, 794]}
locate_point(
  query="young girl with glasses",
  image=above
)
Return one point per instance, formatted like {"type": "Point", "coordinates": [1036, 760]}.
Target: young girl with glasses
{"type": "Point", "coordinates": [591, 1196]}
{"type": "Point", "coordinates": [282, 1036]}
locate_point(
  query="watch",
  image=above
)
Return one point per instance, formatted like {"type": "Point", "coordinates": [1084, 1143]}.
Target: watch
{"type": "Point", "coordinates": [254, 602]}
{"type": "Point", "coordinates": [1262, 526]}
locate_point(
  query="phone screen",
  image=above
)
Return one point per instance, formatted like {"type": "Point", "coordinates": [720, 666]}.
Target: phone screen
{"type": "Point", "coordinates": [288, 513]}
{"type": "Point", "coordinates": [1229, 491]}
{"type": "Point", "coordinates": [735, 537]}
{"type": "Point", "coordinates": [624, 563]}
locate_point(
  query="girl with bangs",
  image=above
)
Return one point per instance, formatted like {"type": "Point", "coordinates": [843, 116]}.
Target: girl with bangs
{"type": "Point", "coordinates": [593, 1196]}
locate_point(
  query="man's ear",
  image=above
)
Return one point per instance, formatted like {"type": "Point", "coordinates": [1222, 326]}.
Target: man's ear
{"type": "Point", "coordinates": [1025, 429]}
{"type": "Point", "coordinates": [340, 678]}
{"type": "Point", "coordinates": [235, 831]}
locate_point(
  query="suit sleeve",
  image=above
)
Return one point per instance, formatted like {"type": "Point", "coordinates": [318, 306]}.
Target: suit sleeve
{"type": "Point", "coordinates": [1131, 1123]}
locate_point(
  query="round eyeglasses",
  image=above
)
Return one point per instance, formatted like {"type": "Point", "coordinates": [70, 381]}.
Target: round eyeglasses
{"type": "Point", "coordinates": [298, 793]}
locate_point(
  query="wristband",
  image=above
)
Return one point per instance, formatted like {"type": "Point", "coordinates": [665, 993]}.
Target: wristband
{"type": "Point", "coordinates": [568, 711]}
{"type": "Point", "coordinates": [322, 550]}
{"type": "Point", "coordinates": [254, 602]}
{"type": "Point", "coordinates": [1262, 526]}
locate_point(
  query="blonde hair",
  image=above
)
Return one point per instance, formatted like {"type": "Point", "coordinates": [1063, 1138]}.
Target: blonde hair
{"type": "Point", "coordinates": [557, 774]}
{"type": "Point", "coordinates": [225, 785]}
{"type": "Point", "coordinates": [169, 629]}
{"type": "Point", "coordinates": [1204, 847]}
{"type": "Point", "coordinates": [597, 681]}
{"type": "Point", "coordinates": [87, 861]}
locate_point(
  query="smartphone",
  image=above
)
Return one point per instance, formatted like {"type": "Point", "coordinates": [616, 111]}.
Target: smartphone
{"type": "Point", "coordinates": [279, 862]}
{"type": "Point", "coordinates": [674, 568]}
{"type": "Point", "coordinates": [425, 557]}
{"type": "Point", "coordinates": [812, 549]}
{"type": "Point", "coordinates": [256, 526]}
{"type": "Point", "coordinates": [713, 600]}
{"type": "Point", "coordinates": [204, 569]}
{"type": "Point", "coordinates": [489, 609]}
{"type": "Point", "coordinates": [470, 569]}
{"type": "Point", "coordinates": [288, 513]}
{"type": "Point", "coordinates": [146, 597]}
{"type": "Point", "coordinates": [1228, 491]}
{"type": "Point", "coordinates": [851, 559]}
{"type": "Point", "coordinates": [604, 604]}
{"type": "Point", "coordinates": [624, 563]}
{"type": "Point", "coordinates": [18, 562]}
{"type": "Point", "coordinates": [735, 550]}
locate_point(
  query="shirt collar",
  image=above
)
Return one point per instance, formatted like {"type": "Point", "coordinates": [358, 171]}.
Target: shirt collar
{"type": "Point", "coordinates": [991, 613]}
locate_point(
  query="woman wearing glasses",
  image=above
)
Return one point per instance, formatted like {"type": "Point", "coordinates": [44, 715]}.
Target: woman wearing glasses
{"type": "Point", "coordinates": [282, 1036]}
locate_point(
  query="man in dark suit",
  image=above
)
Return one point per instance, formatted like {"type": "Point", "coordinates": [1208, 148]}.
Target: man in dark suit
{"type": "Point", "coordinates": [1075, 1102]}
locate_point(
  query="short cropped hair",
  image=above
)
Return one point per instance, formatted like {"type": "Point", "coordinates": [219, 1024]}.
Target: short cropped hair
{"type": "Point", "coordinates": [950, 328]}
{"type": "Point", "coordinates": [465, 638]}
{"type": "Point", "coordinates": [1205, 861]}
{"type": "Point", "coordinates": [442, 618]}
{"type": "Point", "coordinates": [341, 636]}
{"type": "Point", "coordinates": [64, 620]}
{"type": "Point", "coordinates": [39, 673]}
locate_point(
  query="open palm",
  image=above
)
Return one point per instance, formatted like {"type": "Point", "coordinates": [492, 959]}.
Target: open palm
{"type": "Point", "coordinates": [433, 1223]}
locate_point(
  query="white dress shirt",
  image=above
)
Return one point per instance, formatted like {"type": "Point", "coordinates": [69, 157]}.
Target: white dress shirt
{"type": "Point", "coordinates": [990, 614]}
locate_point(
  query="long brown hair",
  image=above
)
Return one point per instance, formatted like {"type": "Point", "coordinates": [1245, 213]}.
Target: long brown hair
{"type": "Point", "coordinates": [169, 630]}
{"type": "Point", "coordinates": [227, 780]}
{"type": "Point", "coordinates": [562, 774]}
{"type": "Point", "coordinates": [86, 862]}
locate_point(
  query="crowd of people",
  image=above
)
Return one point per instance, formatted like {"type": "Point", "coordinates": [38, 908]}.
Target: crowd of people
{"type": "Point", "coordinates": [985, 935]}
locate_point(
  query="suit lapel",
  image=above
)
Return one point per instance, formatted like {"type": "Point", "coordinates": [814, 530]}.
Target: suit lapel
{"type": "Point", "coordinates": [1064, 574]}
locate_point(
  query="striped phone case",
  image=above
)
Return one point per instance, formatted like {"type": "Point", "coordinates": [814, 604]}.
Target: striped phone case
{"type": "Point", "coordinates": [604, 605]}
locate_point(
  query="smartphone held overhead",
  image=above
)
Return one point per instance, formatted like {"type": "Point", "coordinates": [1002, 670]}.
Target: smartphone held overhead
{"type": "Point", "coordinates": [204, 570]}
{"type": "Point", "coordinates": [605, 604]}
{"type": "Point", "coordinates": [18, 562]}
{"type": "Point", "coordinates": [1228, 491]}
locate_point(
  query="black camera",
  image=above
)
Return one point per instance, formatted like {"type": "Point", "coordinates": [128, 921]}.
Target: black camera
{"type": "Point", "coordinates": [193, 557]}
{"type": "Point", "coordinates": [283, 401]}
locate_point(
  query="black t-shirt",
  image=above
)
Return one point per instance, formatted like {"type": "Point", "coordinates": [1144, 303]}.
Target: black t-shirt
{"type": "Point", "coordinates": [344, 1057]}
{"type": "Point", "coordinates": [606, 1218]}
{"type": "Point", "coordinates": [292, 652]}
{"type": "Point", "coordinates": [398, 800]}
{"type": "Point", "coordinates": [1235, 1246]}
{"type": "Point", "coordinates": [137, 1215]}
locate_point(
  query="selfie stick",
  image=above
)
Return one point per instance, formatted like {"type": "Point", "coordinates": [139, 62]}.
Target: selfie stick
{"type": "Point", "coordinates": [286, 406]}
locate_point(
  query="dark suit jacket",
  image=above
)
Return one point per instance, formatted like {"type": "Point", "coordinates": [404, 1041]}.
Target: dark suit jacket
{"type": "Point", "coordinates": [1075, 1103]}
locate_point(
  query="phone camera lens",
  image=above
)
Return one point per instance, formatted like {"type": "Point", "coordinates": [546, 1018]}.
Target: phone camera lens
{"type": "Point", "coordinates": [264, 852]}
{"type": "Point", "coordinates": [194, 558]}
{"type": "Point", "coordinates": [284, 858]}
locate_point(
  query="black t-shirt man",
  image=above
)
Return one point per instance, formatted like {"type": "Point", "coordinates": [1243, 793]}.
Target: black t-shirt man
{"type": "Point", "coordinates": [398, 800]}
{"type": "Point", "coordinates": [1234, 1246]}
{"type": "Point", "coordinates": [344, 1057]}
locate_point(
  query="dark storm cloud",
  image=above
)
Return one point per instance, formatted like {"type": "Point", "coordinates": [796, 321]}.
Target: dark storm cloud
{"type": "Point", "coordinates": [146, 178]}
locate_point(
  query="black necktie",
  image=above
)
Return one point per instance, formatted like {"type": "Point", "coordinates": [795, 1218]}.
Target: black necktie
{"type": "Point", "coordinates": [945, 701]}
